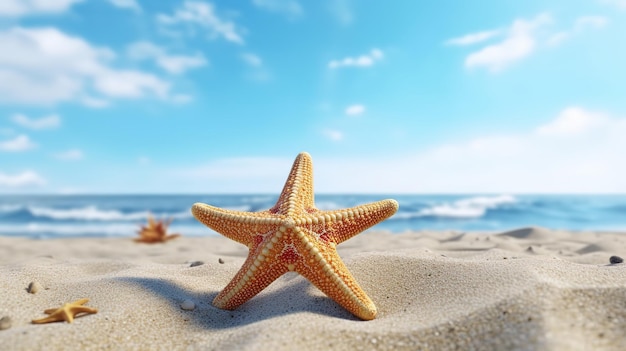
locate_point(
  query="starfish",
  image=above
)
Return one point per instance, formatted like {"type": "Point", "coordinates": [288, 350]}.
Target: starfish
{"type": "Point", "coordinates": [155, 232]}
{"type": "Point", "coordinates": [66, 313]}
{"type": "Point", "coordinates": [295, 236]}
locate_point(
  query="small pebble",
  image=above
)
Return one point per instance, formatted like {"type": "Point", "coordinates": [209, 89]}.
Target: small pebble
{"type": "Point", "coordinates": [616, 259]}
{"type": "Point", "coordinates": [188, 305]}
{"type": "Point", "coordinates": [220, 260]}
{"type": "Point", "coordinates": [5, 322]}
{"type": "Point", "coordinates": [33, 287]}
{"type": "Point", "coordinates": [196, 263]}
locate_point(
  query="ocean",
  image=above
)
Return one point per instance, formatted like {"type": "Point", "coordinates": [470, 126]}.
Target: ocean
{"type": "Point", "coordinates": [53, 216]}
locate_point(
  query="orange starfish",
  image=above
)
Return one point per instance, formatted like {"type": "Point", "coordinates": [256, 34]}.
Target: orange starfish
{"type": "Point", "coordinates": [295, 236]}
{"type": "Point", "coordinates": [66, 313]}
{"type": "Point", "coordinates": [155, 232]}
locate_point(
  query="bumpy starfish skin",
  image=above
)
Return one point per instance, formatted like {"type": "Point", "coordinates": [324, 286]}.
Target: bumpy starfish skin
{"type": "Point", "coordinates": [66, 313]}
{"type": "Point", "coordinates": [295, 236]}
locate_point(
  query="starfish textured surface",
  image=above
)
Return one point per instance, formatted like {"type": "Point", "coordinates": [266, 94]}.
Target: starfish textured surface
{"type": "Point", "coordinates": [295, 236]}
{"type": "Point", "coordinates": [67, 312]}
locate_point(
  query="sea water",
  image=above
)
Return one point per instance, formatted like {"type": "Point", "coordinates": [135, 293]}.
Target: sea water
{"type": "Point", "coordinates": [52, 216]}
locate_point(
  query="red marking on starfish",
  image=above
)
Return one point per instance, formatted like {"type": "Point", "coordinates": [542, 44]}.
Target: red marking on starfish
{"type": "Point", "coordinates": [289, 255]}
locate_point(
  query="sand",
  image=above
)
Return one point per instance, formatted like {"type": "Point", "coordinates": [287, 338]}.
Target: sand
{"type": "Point", "coordinates": [528, 289]}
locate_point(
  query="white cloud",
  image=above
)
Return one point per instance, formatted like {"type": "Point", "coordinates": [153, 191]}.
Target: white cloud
{"type": "Point", "coordinates": [181, 98]}
{"type": "Point", "coordinates": [474, 38]}
{"type": "Point", "coordinates": [252, 59]}
{"type": "Point", "coordinates": [355, 110]}
{"type": "Point", "coordinates": [587, 158]}
{"type": "Point", "coordinates": [289, 7]}
{"type": "Point", "coordinates": [574, 121]}
{"type": "Point", "coordinates": [366, 60]}
{"type": "Point", "coordinates": [94, 102]}
{"type": "Point", "coordinates": [519, 43]}
{"type": "Point", "coordinates": [591, 21]}
{"type": "Point", "coordinates": [171, 63]}
{"type": "Point", "coordinates": [580, 151]}
{"type": "Point", "coordinates": [126, 4]}
{"type": "Point", "coordinates": [342, 11]}
{"type": "Point", "coordinates": [520, 40]}
{"type": "Point", "coordinates": [30, 7]}
{"type": "Point", "coordinates": [70, 155]}
{"type": "Point", "coordinates": [24, 179]}
{"type": "Point", "coordinates": [19, 143]}
{"type": "Point", "coordinates": [621, 4]}
{"type": "Point", "coordinates": [203, 14]}
{"type": "Point", "coordinates": [45, 65]}
{"type": "Point", "coordinates": [51, 121]}
{"type": "Point", "coordinates": [334, 135]}
{"type": "Point", "coordinates": [581, 24]}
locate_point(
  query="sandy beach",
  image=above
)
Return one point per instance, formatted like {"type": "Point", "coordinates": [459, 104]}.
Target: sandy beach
{"type": "Point", "coordinates": [527, 289]}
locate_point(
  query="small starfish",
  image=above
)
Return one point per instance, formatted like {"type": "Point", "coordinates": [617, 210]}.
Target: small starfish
{"type": "Point", "coordinates": [155, 232]}
{"type": "Point", "coordinates": [66, 313]}
{"type": "Point", "coordinates": [295, 236]}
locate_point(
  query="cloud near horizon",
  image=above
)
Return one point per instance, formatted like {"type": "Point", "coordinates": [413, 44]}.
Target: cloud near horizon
{"type": "Point", "coordinates": [579, 151]}
{"type": "Point", "coordinates": [24, 179]}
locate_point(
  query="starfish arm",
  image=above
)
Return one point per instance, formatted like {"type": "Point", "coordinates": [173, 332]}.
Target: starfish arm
{"type": "Point", "coordinates": [236, 225]}
{"type": "Point", "coordinates": [297, 193]}
{"type": "Point", "coordinates": [332, 277]}
{"type": "Point", "coordinates": [254, 276]}
{"type": "Point", "coordinates": [48, 319]}
{"type": "Point", "coordinates": [83, 309]}
{"type": "Point", "coordinates": [352, 221]}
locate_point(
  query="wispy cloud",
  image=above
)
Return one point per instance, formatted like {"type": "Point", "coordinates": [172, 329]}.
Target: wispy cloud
{"type": "Point", "coordinates": [46, 122]}
{"type": "Point", "coordinates": [620, 4]}
{"type": "Point", "coordinates": [334, 135]}
{"type": "Point", "coordinates": [30, 7]}
{"type": "Point", "coordinates": [171, 63]}
{"type": "Point", "coordinates": [473, 38]}
{"type": "Point", "coordinates": [342, 11]}
{"type": "Point", "coordinates": [24, 179]}
{"type": "Point", "coordinates": [291, 8]}
{"type": "Point", "coordinates": [19, 143]}
{"type": "Point", "coordinates": [204, 15]}
{"type": "Point", "coordinates": [252, 59]}
{"type": "Point", "coordinates": [70, 155]}
{"type": "Point", "coordinates": [581, 24]}
{"type": "Point", "coordinates": [45, 66]}
{"type": "Point", "coordinates": [126, 4]}
{"type": "Point", "coordinates": [366, 60]}
{"type": "Point", "coordinates": [518, 43]}
{"type": "Point", "coordinates": [355, 110]}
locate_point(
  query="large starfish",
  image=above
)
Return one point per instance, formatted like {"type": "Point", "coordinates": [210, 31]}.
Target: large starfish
{"type": "Point", "coordinates": [295, 236]}
{"type": "Point", "coordinates": [67, 312]}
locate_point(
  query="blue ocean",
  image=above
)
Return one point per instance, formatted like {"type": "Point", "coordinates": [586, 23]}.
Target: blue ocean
{"type": "Point", "coordinates": [54, 216]}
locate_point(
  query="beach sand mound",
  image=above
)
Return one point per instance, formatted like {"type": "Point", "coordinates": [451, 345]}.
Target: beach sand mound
{"type": "Point", "coordinates": [434, 295]}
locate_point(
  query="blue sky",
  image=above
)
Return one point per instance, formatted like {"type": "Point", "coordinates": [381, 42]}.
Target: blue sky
{"type": "Point", "coordinates": [137, 96]}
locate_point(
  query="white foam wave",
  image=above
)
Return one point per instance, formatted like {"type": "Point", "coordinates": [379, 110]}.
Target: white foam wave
{"type": "Point", "coordinates": [110, 230]}
{"type": "Point", "coordinates": [92, 213]}
{"type": "Point", "coordinates": [474, 207]}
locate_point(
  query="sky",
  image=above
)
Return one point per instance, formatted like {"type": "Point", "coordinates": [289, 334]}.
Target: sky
{"type": "Point", "coordinates": [182, 96]}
